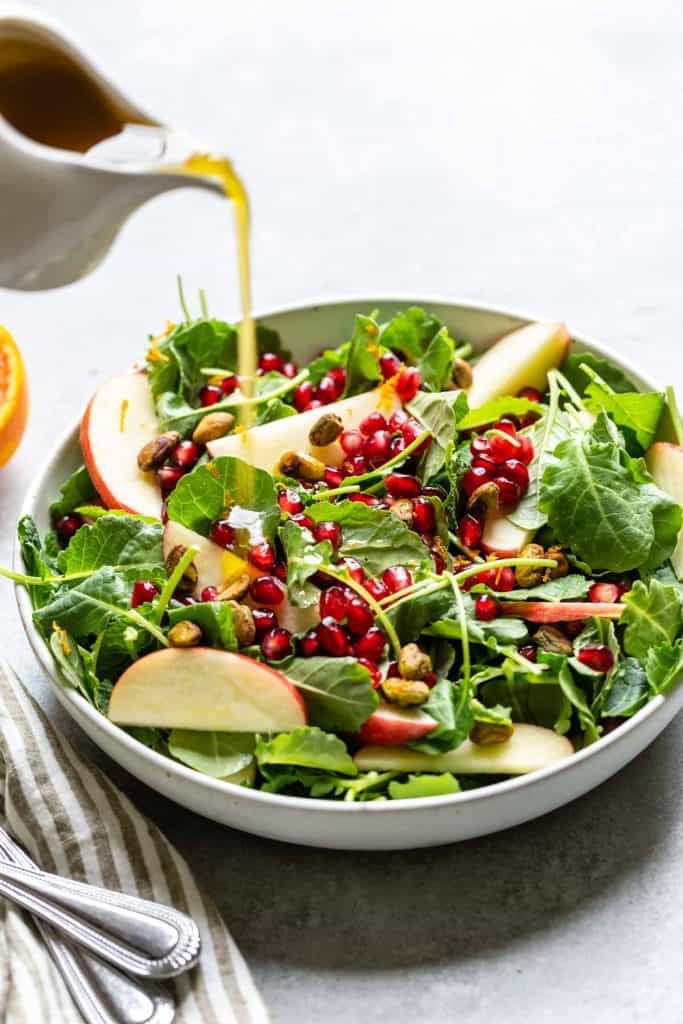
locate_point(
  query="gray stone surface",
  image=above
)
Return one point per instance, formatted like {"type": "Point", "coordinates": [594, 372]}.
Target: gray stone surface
{"type": "Point", "coordinates": [520, 154]}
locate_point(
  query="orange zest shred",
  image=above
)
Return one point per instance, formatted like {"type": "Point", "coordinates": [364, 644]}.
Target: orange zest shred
{"type": "Point", "coordinates": [122, 415]}
{"type": "Point", "coordinates": [211, 468]}
{"type": "Point", "coordinates": [387, 393]}
{"type": "Point", "coordinates": [63, 638]}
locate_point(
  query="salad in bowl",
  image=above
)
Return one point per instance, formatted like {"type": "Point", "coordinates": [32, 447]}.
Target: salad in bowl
{"type": "Point", "coordinates": [394, 572]}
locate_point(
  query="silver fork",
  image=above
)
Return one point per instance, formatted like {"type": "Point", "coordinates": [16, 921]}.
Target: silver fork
{"type": "Point", "coordinates": [102, 994]}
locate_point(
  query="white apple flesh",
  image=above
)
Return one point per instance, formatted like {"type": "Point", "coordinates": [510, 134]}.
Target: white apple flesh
{"type": "Point", "coordinates": [520, 359]}
{"type": "Point", "coordinates": [389, 725]}
{"type": "Point", "coordinates": [119, 420]}
{"type": "Point", "coordinates": [215, 566]}
{"type": "Point", "coordinates": [665, 462]}
{"type": "Point", "coordinates": [208, 690]}
{"type": "Point", "coordinates": [503, 538]}
{"type": "Point", "coordinates": [529, 749]}
{"type": "Point", "coordinates": [263, 446]}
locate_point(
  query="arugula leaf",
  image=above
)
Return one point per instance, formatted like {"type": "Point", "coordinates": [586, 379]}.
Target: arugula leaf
{"type": "Point", "coordinates": [36, 561]}
{"type": "Point", "coordinates": [530, 699]}
{"type": "Point", "coordinates": [610, 373]}
{"type": "Point", "coordinates": [507, 405]}
{"type": "Point", "coordinates": [436, 365]}
{"type": "Point", "coordinates": [567, 588]}
{"type": "Point", "coordinates": [411, 617]}
{"type": "Point", "coordinates": [496, 714]}
{"type": "Point", "coordinates": [372, 536]}
{"type": "Point", "coordinates": [338, 691]}
{"type": "Point", "coordinates": [114, 540]}
{"type": "Point", "coordinates": [490, 634]}
{"type": "Point", "coordinates": [77, 490]}
{"type": "Point", "coordinates": [424, 785]}
{"type": "Point", "coordinates": [304, 558]}
{"type": "Point", "coordinates": [451, 707]}
{"type": "Point", "coordinates": [120, 643]}
{"type": "Point", "coordinates": [652, 617]}
{"type": "Point", "coordinates": [664, 664]}
{"type": "Point", "coordinates": [573, 692]}
{"type": "Point", "coordinates": [175, 364]}
{"type": "Point", "coordinates": [438, 413]}
{"type": "Point", "coordinates": [307, 747]}
{"type": "Point", "coordinates": [410, 332]}
{"type": "Point", "coordinates": [203, 496]}
{"type": "Point", "coordinates": [330, 359]}
{"type": "Point", "coordinates": [275, 410]}
{"type": "Point", "coordinates": [628, 690]}
{"type": "Point", "coordinates": [637, 412]}
{"type": "Point", "coordinates": [215, 618]}
{"type": "Point", "coordinates": [217, 754]}
{"type": "Point", "coordinates": [66, 653]}
{"type": "Point", "coordinates": [362, 364]}
{"type": "Point", "coordinates": [545, 436]}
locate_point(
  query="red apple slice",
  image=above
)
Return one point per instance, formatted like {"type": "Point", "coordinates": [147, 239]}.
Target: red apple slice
{"type": "Point", "coordinates": [529, 748]}
{"type": "Point", "coordinates": [520, 359]}
{"type": "Point", "coordinates": [215, 566]}
{"type": "Point", "coordinates": [205, 689]}
{"type": "Point", "coordinates": [119, 420]}
{"type": "Point", "coordinates": [262, 446]}
{"type": "Point", "coordinates": [560, 611]}
{"type": "Point", "coordinates": [392, 725]}
{"type": "Point", "coordinates": [503, 538]}
{"type": "Point", "coordinates": [665, 462]}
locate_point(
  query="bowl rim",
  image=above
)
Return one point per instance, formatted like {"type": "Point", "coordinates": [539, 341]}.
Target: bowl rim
{"type": "Point", "coordinates": [69, 696]}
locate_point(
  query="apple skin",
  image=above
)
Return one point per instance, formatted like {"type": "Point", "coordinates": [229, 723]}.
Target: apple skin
{"type": "Point", "coordinates": [205, 689]}
{"type": "Point", "coordinates": [665, 462]}
{"type": "Point", "coordinates": [391, 726]}
{"type": "Point", "coordinates": [110, 453]}
{"type": "Point", "coordinates": [529, 749]}
{"type": "Point", "coordinates": [520, 359]}
{"type": "Point", "coordinates": [263, 446]}
{"type": "Point", "coordinates": [560, 611]}
{"type": "Point", "coordinates": [503, 538]}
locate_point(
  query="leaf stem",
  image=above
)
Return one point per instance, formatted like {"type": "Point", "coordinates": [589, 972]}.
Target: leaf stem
{"type": "Point", "coordinates": [380, 613]}
{"type": "Point", "coordinates": [568, 389]}
{"type": "Point", "coordinates": [352, 482]}
{"type": "Point", "coordinates": [181, 299]}
{"type": "Point", "coordinates": [596, 378]}
{"type": "Point", "coordinates": [173, 581]}
{"type": "Point", "coordinates": [464, 632]}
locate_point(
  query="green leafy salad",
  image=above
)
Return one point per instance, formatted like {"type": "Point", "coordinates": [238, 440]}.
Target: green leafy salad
{"type": "Point", "coordinates": [397, 571]}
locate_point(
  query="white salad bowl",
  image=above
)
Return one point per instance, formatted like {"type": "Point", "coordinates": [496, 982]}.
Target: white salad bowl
{"type": "Point", "coordinates": [382, 825]}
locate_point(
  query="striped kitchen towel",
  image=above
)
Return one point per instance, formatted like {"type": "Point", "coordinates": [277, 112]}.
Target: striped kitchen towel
{"type": "Point", "coordinates": [72, 820]}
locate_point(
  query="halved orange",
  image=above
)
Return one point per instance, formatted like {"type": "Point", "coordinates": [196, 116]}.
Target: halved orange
{"type": "Point", "coordinates": [13, 396]}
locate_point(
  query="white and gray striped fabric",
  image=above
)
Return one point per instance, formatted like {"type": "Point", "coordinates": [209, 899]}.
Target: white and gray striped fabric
{"type": "Point", "coordinates": [73, 821]}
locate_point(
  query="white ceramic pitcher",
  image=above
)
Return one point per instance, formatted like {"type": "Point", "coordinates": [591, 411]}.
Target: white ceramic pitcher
{"type": "Point", "coordinates": [60, 208]}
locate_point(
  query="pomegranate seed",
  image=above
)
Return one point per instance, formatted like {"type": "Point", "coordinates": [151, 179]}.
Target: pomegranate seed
{"type": "Point", "coordinates": [185, 454]}
{"type": "Point", "coordinates": [168, 477]}
{"type": "Point", "coordinates": [187, 601]}
{"type": "Point", "coordinates": [528, 652]}
{"type": "Point", "coordinates": [504, 579]}
{"type": "Point", "coordinates": [351, 441]}
{"type": "Point", "coordinates": [309, 644]}
{"type": "Point", "coordinates": [397, 578]}
{"type": "Point", "coordinates": [372, 423]}
{"type": "Point", "coordinates": [271, 362]}
{"type": "Point", "coordinates": [262, 556]}
{"type": "Point", "coordinates": [397, 446]}
{"type": "Point", "coordinates": [332, 637]}
{"type": "Point", "coordinates": [375, 674]}
{"type": "Point", "coordinates": [359, 618]}
{"type": "Point", "coordinates": [326, 390]}
{"type": "Point", "coordinates": [304, 521]}
{"type": "Point", "coordinates": [531, 395]}
{"type": "Point", "coordinates": [267, 590]}
{"type": "Point", "coordinates": [229, 384]}
{"type": "Point", "coordinates": [470, 531]}
{"type": "Point", "coordinates": [398, 420]}
{"type": "Point", "coordinates": [508, 424]}
{"type": "Point", "coordinates": [338, 375]}
{"type": "Point", "coordinates": [209, 395]}
{"type": "Point", "coordinates": [328, 531]}
{"type": "Point", "coordinates": [574, 628]}
{"type": "Point", "coordinates": [401, 485]}
{"type": "Point", "coordinates": [408, 383]}
{"type": "Point", "coordinates": [411, 431]}
{"type": "Point", "coordinates": [354, 569]}
{"type": "Point", "coordinates": [276, 644]}
{"type": "Point", "coordinates": [389, 365]}
{"type": "Point", "coordinates": [333, 477]}
{"type": "Point", "coordinates": [528, 419]}
{"type": "Point", "coordinates": [290, 502]}
{"type": "Point", "coordinates": [486, 608]}
{"type": "Point", "coordinates": [439, 562]}
{"type": "Point", "coordinates": [486, 576]}
{"type": "Point", "coordinates": [607, 593]}
{"type": "Point", "coordinates": [223, 534]}
{"type": "Point", "coordinates": [365, 499]}
{"type": "Point", "coordinates": [516, 471]}
{"type": "Point", "coordinates": [487, 463]}
{"type": "Point", "coordinates": [265, 619]}
{"type": "Point", "coordinates": [434, 492]}
{"type": "Point", "coordinates": [624, 586]}
{"type": "Point", "coordinates": [502, 448]}
{"type": "Point", "coordinates": [376, 589]}
{"type": "Point", "coordinates": [392, 670]}
{"type": "Point", "coordinates": [66, 527]}
{"type": "Point", "coordinates": [302, 395]}
{"type": "Point", "coordinates": [376, 447]}
{"type": "Point", "coordinates": [475, 477]}
{"type": "Point", "coordinates": [209, 594]}
{"type": "Point", "coordinates": [143, 591]}
{"type": "Point", "coordinates": [525, 452]}
{"type": "Point", "coordinates": [425, 515]}
{"type": "Point", "coordinates": [480, 446]}
{"type": "Point", "coordinates": [289, 370]}
{"type": "Point", "coordinates": [280, 571]}
{"type": "Point", "coordinates": [313, 404]}
{"type": "Point", "coordinates": [333, 603]}
{"type": "Point", "coordinates": [371, 646]}
{"type": "Point", "coordinates": [508, 492]}
{"type": "Point", "coordinates": [355, 465]}
{"type": "Point", "coordinates": [596, 656]}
